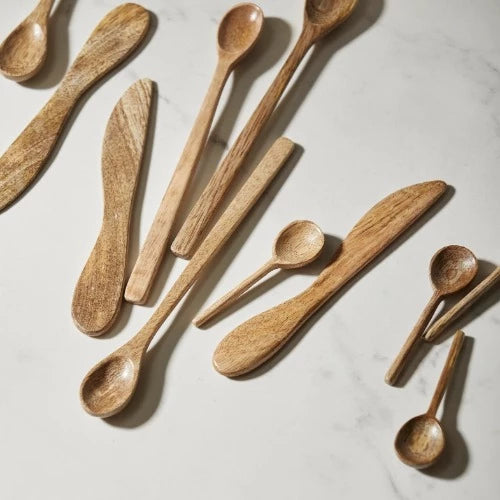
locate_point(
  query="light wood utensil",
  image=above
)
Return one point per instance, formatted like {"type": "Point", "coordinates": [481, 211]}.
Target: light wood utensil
{"type": "Point", "coordinates": [98, 293]}
{"type": "Point", "coordinates": [420, 442]}
{"type": "Point", "coordinates": [452, 268]}
{"type": "Point", "coordinates": [320, 17]}
{"type": "Point", "coordinates": [108, 387]}
{"type": "Point", "coordinates": [24, 51]}
{"type": "Point", "coordinates": [297, 245]}
{"type": "Point", "coordinates": [238, 32]}
{"type": "Point", "coordinates": [462, 306]}
{"type": "Point", "coordinates": [114, 38]}
{"type": "Point", "coordinates": [255, 341]}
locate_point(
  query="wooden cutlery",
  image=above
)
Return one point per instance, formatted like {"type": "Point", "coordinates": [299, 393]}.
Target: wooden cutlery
{"type": "Point", "coordinates": [420, 442]}
{"type": "Point", "coordinates": [115, 37]}
{"type": "Point", "coordinates": [98, 294]}
{"type": "Point", "coordinates": [108, 387]}
{"type": "Point", "coordinates": [237, 35]}
{"type": "Point", "coordinates": [452, 269]}
{"type": "Point", "coordinates": [297, 245]}
{"type": "Point", "coordinates": [320, 17]}
{"type": "Point", "coordinates": [24, 51]}
{"type": "Point", "coordinates": [255, 341]}
{"type": "Point", "coordinates": [462, 306]}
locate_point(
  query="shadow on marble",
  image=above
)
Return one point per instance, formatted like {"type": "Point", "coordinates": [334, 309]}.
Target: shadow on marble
{"type": "Point", "coordinates": [455, 459]}
{"type": "Point", "coordinates": [150, 390]}
{"type": "Point", "coordinates": [57, 61]}
{"type": "Point", "coordinates": [332, 244]}
{"type": "Point", "coordinates": [309, 324]}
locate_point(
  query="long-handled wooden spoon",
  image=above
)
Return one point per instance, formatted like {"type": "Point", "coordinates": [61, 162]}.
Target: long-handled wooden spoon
{"type": "Point", "coordinates": [320, 17]}
{"type": "Point", "coordinates": [108, 387]}
{"type": "Point", "coordinates": [114, 38]}
{"type": "Point", "coordinates": [259, 338]}
{"type": "Point", "coordinates": [462, 305]}
{"type": "Point", "coordinates": [238, 32]}
{"type": "Point", "coordinates": [452, 268]}
{"type": "Point", "coordinates": [420, 442]}
{"type": "Point", "coordinates": [297, 245]}
{"type": "Point", "coordinates": [98, 293]}
{"type": "Point", "coordinates": [24, 51]}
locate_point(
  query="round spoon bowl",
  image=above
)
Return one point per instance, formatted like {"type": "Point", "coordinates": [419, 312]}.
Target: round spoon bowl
{"type": "Point", "coordinates": [109, 386]}
{"type": "Point", "coordinates": [24, 51]}
{"type": "Point", "coordinates": [240, 28]}
{"type": "Point", "coordinates": [420, 442]}
{"type": "Point", "coordinates": [298, 244]}
{"type": "Point", "coordinates": [453, 268]}
{"type": "Point", "coordinates": [326, 14]}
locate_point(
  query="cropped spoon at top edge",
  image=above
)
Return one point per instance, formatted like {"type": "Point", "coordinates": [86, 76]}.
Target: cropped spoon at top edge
{"type": "Point", "coordinates": [24, 51]}
{"type": "Point", "coordinates": [238, 32]}
{"type": "Point", "coordinates": [320, 17]}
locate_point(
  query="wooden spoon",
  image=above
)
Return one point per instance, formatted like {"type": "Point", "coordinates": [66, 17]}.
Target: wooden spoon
{"type": "Point", "coordinates": [297, 245]}
{"type": "Point", "coordinates": [24, 51]}
{"type": "Point", "coordinates": [462, 305]}
{"type": "Point", "coordinates": [452, 269]}
{"type": "Point", "coordinates": [420, 442]}
{"type": "Point", "coordinates": [114, 38]}
{"type": "Point", "coordinates": [320, 17]}
{"type": "Point", "coordinates": [259, 338]}
{"type": "Point", "coordinates": [98, 293]}
{"type": "Point", "coordinates": [108, 387]}
{"type": "Point", "coordinates": [238, 32]}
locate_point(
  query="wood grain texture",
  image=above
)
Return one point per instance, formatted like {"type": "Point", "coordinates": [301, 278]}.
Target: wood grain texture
{"type": "Point", "coordinates": [109, 386]}
{"type": "Point", "coordinates": [462, 305]}
{"type": "Point", "coordinates": [98, 293]}
{"type": "Point", "coordinates": [23, 52]}
{"type": "Point", "coordinates": [115, 37]}
{"type": "Point", "coordinates": [319, 19]}
{"type": "Point", "coordinates": [255, 341]}
{"type": "Point", "coordinates": [237, 34]}
{"type": "Point", "coordinates": [452, 268]}
{"type": "Point", "coordinates": [297, 245]}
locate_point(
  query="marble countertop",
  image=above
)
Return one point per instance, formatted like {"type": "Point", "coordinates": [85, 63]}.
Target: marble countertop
{"type": "Point", "coordinates": [402, 93]}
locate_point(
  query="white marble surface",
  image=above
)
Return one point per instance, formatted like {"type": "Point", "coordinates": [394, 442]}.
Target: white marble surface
{"type": "Point", "coordinates": [404, 92]}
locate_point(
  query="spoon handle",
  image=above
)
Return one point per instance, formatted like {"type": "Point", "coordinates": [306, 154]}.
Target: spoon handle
{"type": "Point", "coordinates": [458, 341]}
{"type": "Point", "coordinates": [42, 10]}
{"type": "Point", "coordinates": [413, 339]}
{"type": "Point", "coordinates": [463, 305]}
{"type": "Point", "coordinates": [114, 38]}
{"type": "Point", "coordinates": [232, 296]}
{"type": "Point", "coordinates": [229, 221]}
{"type": "Point", "coordinates": [194, 226]}
{"type": "Point", "coordinates": [145, 269]}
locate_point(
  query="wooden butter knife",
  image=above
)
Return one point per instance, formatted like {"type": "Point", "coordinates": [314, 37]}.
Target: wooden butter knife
{"type": "Point", "coordinates": [114, 38]}
{"type": "Point", "coordinates": [256, 340]}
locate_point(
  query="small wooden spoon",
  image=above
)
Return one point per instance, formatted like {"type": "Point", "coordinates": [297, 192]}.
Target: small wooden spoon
{"type": "Point", "coordinates": [112, 41]}
{"type": "Point", "coordinates": [320, 17]}
{"type": "Point", "coordinates": [238, 32]}
{"type": "Point", "coordinates": [452, 269]}
{"type": "Point", "coordinates": [420, 442]}
{"type": "Point", "coordinates": [24, 51]}
{"type": "Point", "coordinates": [297, 245]}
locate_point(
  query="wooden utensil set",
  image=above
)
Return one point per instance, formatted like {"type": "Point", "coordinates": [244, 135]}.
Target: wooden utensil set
{"type": "Point", "coordinates": [109, 386]}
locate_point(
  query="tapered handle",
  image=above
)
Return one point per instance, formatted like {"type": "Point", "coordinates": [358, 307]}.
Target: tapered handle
{"type": "Point", "coordinates": [232, 296]}
{"type": "Point", "coordinates": [462, 306]}
{"type": "Point", "coordinates": [43, 9]}
{"type": "Point", "coordinates": [444, 379]}
{"type": "Point", "coordinates": [146, 268]}
{"type": "Point", "coordinates": [412, 341]}
{"type": "Point", "coordinates": [201, 214]}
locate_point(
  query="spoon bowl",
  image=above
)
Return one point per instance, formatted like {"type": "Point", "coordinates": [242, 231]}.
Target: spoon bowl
{"type": "Point", "coordinates": [239, 30]}
{"type": "Point", "coordinates": [420, 442]}
{"type": "Point", "coordinates": [298, 244]}
{"type": "Point", "coordinates": [325, 15]}
{"type": "Point", "coordinates": [452, 269]}
{"type": "Point", "coordinates": [108, 387]}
